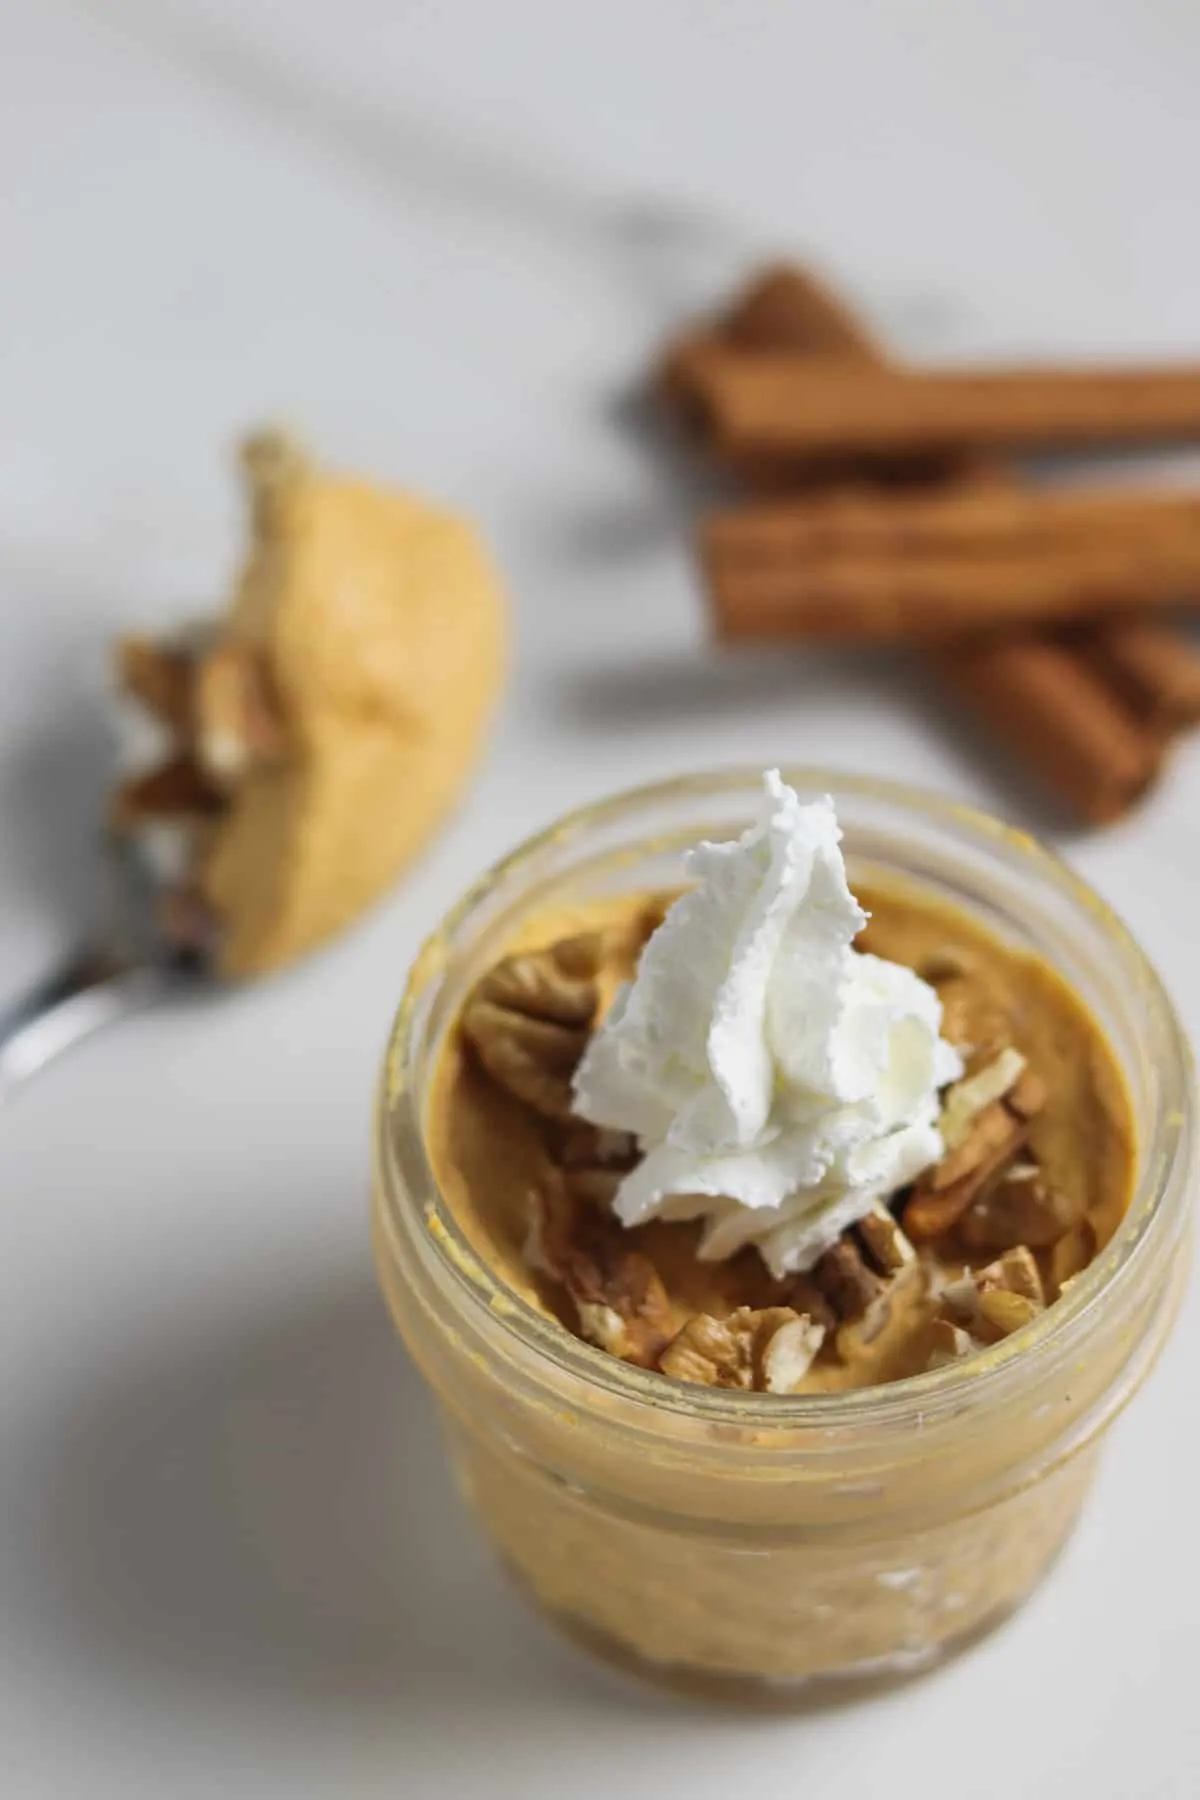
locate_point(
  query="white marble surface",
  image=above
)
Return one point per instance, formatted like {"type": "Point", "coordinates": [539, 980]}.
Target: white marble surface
{"type": "Point", "coordinates": [441, 239]}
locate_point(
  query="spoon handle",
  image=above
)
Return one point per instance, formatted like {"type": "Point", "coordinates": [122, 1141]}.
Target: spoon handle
{"type": "Point", "coordinates": [92, 988]}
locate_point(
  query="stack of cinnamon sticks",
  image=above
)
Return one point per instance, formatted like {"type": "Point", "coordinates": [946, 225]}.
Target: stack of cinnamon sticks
{"type": "Point", "coordinates": [883, 512]}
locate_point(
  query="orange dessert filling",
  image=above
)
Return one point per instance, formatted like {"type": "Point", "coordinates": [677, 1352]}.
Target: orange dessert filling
{"type": "Point", "coordinates": [1035, 1173]}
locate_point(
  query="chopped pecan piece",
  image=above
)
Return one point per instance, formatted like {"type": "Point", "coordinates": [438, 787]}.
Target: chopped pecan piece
{"type": "Point", "coordinates": [977, 1090]}
{"type": "Point", "coordinates": [930, 1212]}
{"type": "Point", "coordinates": [1027, 1096]}
{"type": "Point", "coordinates": [847, 1283]}
{"type": "Point", "coordinates": [787, 1350]}
{"type": "Point", "coordinates": [883, 1242]}
{"type": "Point", "coordinates": [1005, 1312]}
{"type": "Point", "coordinates": [995, 1301]}
{"type": "Point", "coordinates": [529, 1019]}
{"type": "Point", "coordinates": [861, 1299]}
{"type": "Point", "coordinates": [594, 1159]}
{"type": "Point", "coordinates": [160, 679]}
{"type": "Point", "coordinates": [959, 1300]}
{"type": "Point", "coordinates": [994, 1135]}
{"type": "Point", "coordinates": [1022, 1208]}
{"type": "Point", "coordinates": [175, 790]}
{"type": "Point", "coordinates": [236, 718]}
{"type": "Point", "coordinates": [805, 1297]}
{"type": "Point", "coordinates": [985, 1134]}
{"type": "Point", "coordinates": [621, 1303]}
{"type": "Point", "coordinates": [1015, 1272]}
{"type": "Point", "coordinates": [1072, 1253]}
{"type": "Point", "coordinates": [771, 1350]}
{"type": "Point", "coordinates": [948, 1343]}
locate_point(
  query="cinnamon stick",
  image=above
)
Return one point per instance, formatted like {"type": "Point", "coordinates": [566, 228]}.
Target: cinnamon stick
{"type": "Point", "coordinates": [1091, 749]}
{"type": "Point", "coordinates": [1154, 670]}
{"type": "Point", "coordinates": [1151, 669]}
{"type": "Point", "coordinates": [785, 307]}
{"type": "Point", "coordinates": [777, 403]}
{"type": "Point", "coordinates": [875, 569]}
{"type": "Point", "coordinates": [1043, 703]}
{"type": "Point", "coordinates": [958, 519]}
{"type": "Point", "coordinates": [877, 600]}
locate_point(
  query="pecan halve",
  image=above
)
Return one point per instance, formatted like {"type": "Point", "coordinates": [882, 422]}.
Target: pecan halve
{"type": "Point", "coordinates": [621, 1303]}
{"type": "Point", "coordinates": [594, 1160]}
{"type": "Point", "coordinates": [529, 1020]}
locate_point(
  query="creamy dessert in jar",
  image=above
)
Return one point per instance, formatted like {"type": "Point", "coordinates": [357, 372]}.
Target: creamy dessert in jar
{"type": "Point", "coordinates": [794, 1199]}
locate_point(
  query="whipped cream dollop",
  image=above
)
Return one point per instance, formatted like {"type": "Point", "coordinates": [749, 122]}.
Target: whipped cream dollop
{"type": "Point", "coordinates": [780, 1082]}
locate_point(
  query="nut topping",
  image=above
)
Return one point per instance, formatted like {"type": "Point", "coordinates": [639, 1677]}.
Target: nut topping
{"type": "Point", "coordinates": [1027, 1096]}
{"type": "Point", "coordinates": [557, 983]}
{"type": "Point", "coordinates": [788, 1352]}
{"type": "Point", "coordinates": [975, 1093]}
{"type": "Point", "coordinates": [884, 1243]}
{"type": "Point", "coordinates": [620, 1301]}
{"type": "Point", "coordinates": [529, 1019]}
{"type": "Point", "coordinates": [594, 1159]}
{"type": "Point", "coordinates": [528, 1022]}
{"type": "Point", "coordinates": [770, 1350]}
{"type": "Point", "coordinates": [948, 1343]}
{"type": "Point", "coordinates": [859, 1297]}
{"type": "Point", "coordinates": [1072, 1253]}
{"type": "Point", "coordinates": [993, 1302]}
{"type": "Point", "coordinates": [1015, 1272]}
{"type": "Point", "coordinates": [175, 790]}
{"type": "Point", "coordinates": [993, 1135]}
{"type": "Point", "coordinates": [1005, 1312]}
{"type": "Point", "coordinates": [709, 1352]}
{"type": "Point", "coordinates": [844, 1279]}
{"type": "Point", "coordinates": [215, 706]}
{"type": "Point", "coordinates": [986, 1116]}
{"type": "Point", "coordinates": [235, 717]}
{"type": "Point", "coordinates": [804, 1296]}
{"type": "Point", "coordinates": [158, 678]}
{"type": "Point", "coordinates": [1022, 1208]}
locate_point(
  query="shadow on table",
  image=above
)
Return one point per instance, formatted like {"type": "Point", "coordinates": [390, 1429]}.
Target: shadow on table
{"type": "Point", "coordinates": [271, 1517]}
{"type": "Point", "coordinates": [53, 792]}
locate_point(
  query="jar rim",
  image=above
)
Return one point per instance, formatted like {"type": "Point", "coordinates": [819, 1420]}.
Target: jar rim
{"type": "Point", "coordinates": [1166, 1154]}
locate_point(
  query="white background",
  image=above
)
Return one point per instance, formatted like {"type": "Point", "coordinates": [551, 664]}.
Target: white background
{"type": "Point", "coordinates": [443, 239]}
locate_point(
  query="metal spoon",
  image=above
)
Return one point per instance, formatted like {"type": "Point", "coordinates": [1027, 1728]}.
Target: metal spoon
{"type": "Point", "coordinates": [129, 966]}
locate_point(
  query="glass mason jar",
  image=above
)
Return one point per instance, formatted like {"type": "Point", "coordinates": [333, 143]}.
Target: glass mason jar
{"type": "Point", "coordinates": [745, 1542]}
